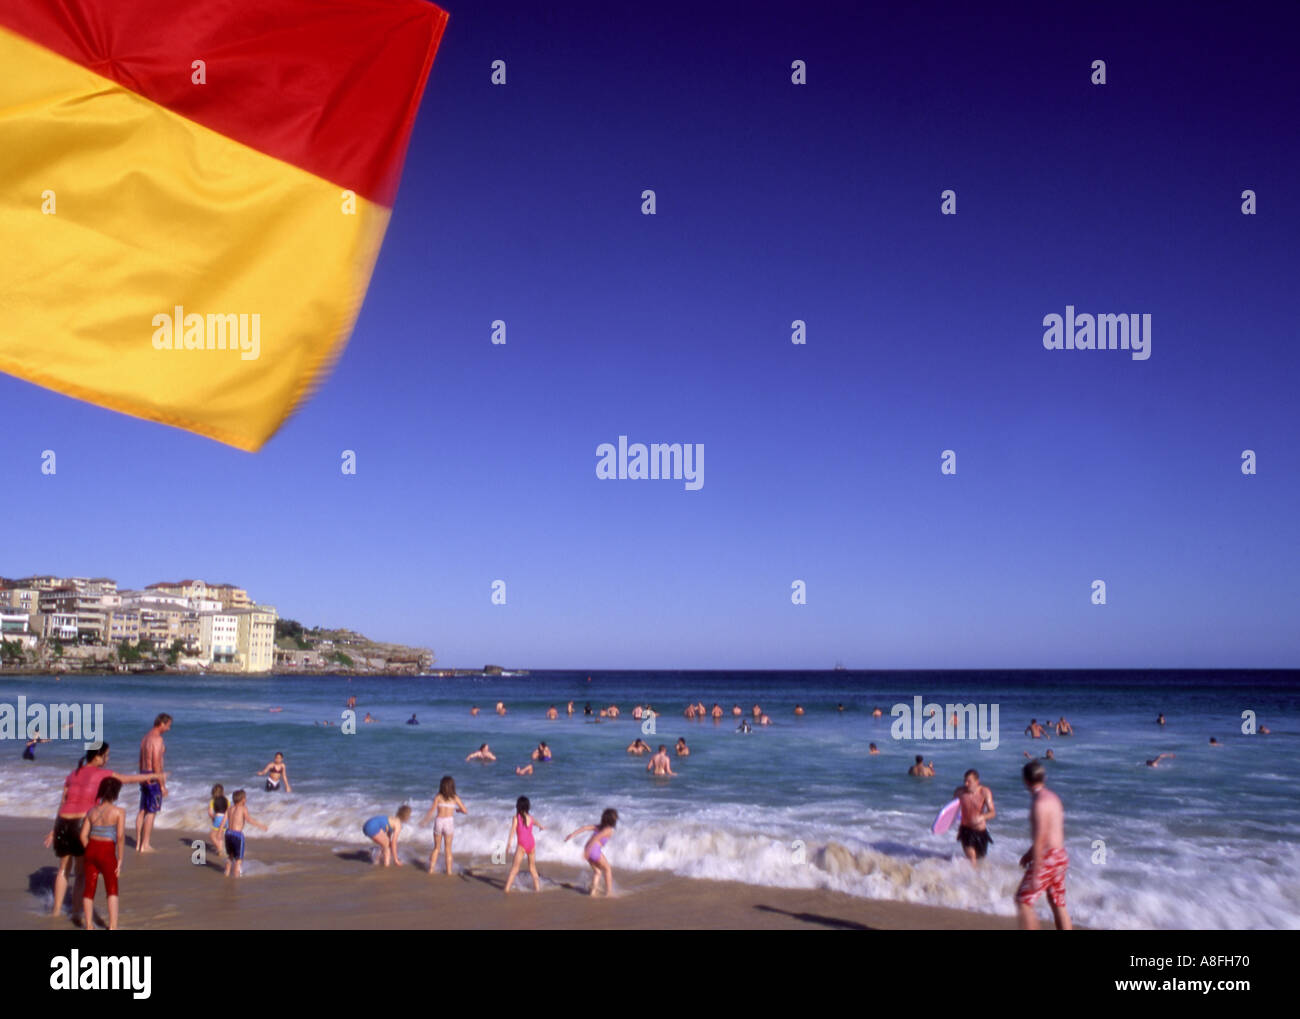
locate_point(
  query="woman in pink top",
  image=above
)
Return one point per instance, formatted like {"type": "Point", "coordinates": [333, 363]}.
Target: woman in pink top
{"type": "Point", "coordinates": [523, 828]}
{"type": "Point", "coordinates": [80, 789]}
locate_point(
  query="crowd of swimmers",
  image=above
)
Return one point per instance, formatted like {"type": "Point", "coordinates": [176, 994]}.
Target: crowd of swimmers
{"type": "Point", "coordinates": [89, 832]}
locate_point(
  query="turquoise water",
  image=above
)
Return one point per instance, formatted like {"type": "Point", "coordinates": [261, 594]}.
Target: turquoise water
{"type": "Point", "coordinates": [1211, 839]}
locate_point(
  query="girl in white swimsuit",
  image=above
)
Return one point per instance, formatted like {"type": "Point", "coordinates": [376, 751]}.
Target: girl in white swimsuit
{"type": "Point", "coordinates": [445, 805]}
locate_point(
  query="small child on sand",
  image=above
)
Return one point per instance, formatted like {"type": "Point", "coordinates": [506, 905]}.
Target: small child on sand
{"type": "Point", "coordinates": [594, 853]}
{"type": "Point", "coordinates": [103, 833]}
{"type": "Point", "coordinates": [217, 807]}
{"type": "Point", "coordinates": [445, 805]}
{"type": "Point", "coordinates": [522, 828]}
{"type": "Point", "coordinates": [235, 821]}
{"type": "Point", "coordinates": [383, 830]}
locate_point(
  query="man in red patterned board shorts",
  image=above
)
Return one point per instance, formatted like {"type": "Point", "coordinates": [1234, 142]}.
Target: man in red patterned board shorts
{"type": "Point", "coordinates": [1047, 861]}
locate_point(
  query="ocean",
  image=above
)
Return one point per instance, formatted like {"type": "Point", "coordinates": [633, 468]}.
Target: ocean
{"type": "Point", "coordinates": [1210, 839]}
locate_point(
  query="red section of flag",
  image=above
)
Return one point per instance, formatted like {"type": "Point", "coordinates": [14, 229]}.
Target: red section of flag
{"type": "Point", "coordinates": [331, 86]}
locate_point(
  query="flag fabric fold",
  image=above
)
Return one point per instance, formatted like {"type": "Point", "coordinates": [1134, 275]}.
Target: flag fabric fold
{"type": "Point", "coordinates": [193, 195]}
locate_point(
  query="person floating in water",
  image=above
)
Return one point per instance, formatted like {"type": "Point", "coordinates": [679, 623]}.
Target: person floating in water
{"type": "Point", "coordinates": [276, 772]}
{"type": "Point", "coordinates": [977, 810]}
{"type": "Point", "coordinates": [1154, 762]}
{"type": "Point", "coordinates": [483, 753]}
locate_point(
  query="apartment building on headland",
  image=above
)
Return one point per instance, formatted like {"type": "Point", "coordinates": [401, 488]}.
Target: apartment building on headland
{"type": "Point", "coordinates": [217, 624]}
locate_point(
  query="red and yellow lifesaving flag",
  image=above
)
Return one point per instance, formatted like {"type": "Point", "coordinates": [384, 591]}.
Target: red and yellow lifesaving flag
{"type": "Point", "coordinates": [193, 194]}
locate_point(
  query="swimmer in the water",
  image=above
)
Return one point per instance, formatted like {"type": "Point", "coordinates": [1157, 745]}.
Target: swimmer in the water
{"type": "Point", "coordinates": [876, 713]}
{"type": "Point", "coordinates": [1154, 762]}
{"type": "Point", "coordinates": [659, 764]}
{"type": "Point", "coordinates": [368, 718]}
{"type": "Point", "coordinates": [716, 712]}
{"type": "Point", "coordinates": [412, 720]}
{"type": "Point", "coordinates": [638, 746]}
{"type": "Point", "coordinates": [735, 710]}
{"type": "Point", "coordinates": [275, 773]}
{"type": "Point", "coordinates": [1063, 728]}
{"type": "Point", "coordinates": [542, 753]}
{"type": "Point", "coordinates": [551, 713]}
{"type": "Point", "coordinates": [501, 707]}
{"type": "Point", "coordinates": [1214, 742]}
{"type": "Point", "coordinates": [756, 711]}
{"type": "Point", "coordinates": [839, 707]}
{"type": "Point", "coordinates": [920, 769]}
{"type": "Point", "coordinates": [571, 707]}
{"type": "Point", "coordinates": [681, 748]}
{"type": "Point", "coordinates": [1034, 729]}
{"type": "Point", "coordinates": [474, 711]}
{"type": "Point", "coordinates": [765, 720]}
{"type": "Point", "coordinates": [873, 749]}
{"type": "Point", "coordinates": [483, 753]}
{"type": "Point", "coordinates": [744, 726]}
{"type": "Point", "coordinates": [798, 709]}
{"type": "Point", "coordinates": [29, 751]}
{"type": "Point", "coordinates": [1160, 719]}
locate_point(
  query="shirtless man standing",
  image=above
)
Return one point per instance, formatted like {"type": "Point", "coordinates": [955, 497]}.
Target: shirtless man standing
{"type": "Point", "coordinates": [920, 769]}
{"type": "Point", "coordinates": [1034, 729]}
{"type": "Point", "coordinates": [1047, 861]}
{"type": "Point", "coordinates": [152, 749]}
{"type": "Point", "coordinates": [975, 800]}
{"type": "Point", "coordinates": [659, 763]}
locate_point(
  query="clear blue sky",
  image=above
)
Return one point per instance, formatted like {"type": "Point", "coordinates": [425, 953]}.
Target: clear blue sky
{"type": "Point", "coordinates": [775, 202]}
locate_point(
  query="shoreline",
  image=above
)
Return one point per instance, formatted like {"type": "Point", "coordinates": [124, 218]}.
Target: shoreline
{"type": "Point", "coordinates": [300, 884]}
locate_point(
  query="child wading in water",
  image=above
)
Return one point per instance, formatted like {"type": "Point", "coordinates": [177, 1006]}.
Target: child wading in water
{"type": "Point", "coordinates": [217, 807]}
{"type": "Point", "coordinates": [103, 833]}
{"type": "Point", "coordinates": [235, 821]}
{"type": "Point", "coordinates": [445, 805]}
{"type": "Point", "coordinates": [522, 828]}
{"type": "Point", "coordinates": [594, 853]}
{"type": "Point", "coordinates": [383, 830]}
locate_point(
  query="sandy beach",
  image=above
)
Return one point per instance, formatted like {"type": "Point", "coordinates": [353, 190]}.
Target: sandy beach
{"type": "Point", "coordinates": [303, 885]}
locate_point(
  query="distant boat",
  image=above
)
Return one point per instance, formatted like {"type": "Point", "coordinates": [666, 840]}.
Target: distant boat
{"type": "Point", "coordinates": [839, 667]}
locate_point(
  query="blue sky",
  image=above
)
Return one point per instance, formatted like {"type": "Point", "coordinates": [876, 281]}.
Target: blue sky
{"type": "Point", "coordinates": [776, 202]}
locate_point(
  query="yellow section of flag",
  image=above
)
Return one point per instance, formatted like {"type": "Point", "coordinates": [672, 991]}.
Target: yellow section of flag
{"type": "Point", "coordinates": [136, 244]}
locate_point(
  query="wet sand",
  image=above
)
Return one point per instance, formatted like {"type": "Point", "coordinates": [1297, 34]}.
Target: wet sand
{"type": "Point", "coordinates": [303, 885]}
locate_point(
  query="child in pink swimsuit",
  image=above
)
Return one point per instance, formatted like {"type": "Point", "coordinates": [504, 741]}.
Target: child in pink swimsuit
{"type": "Point", "coordinates": [594, 851]}
{"type": "Point", "coordinates": [522, 829]}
